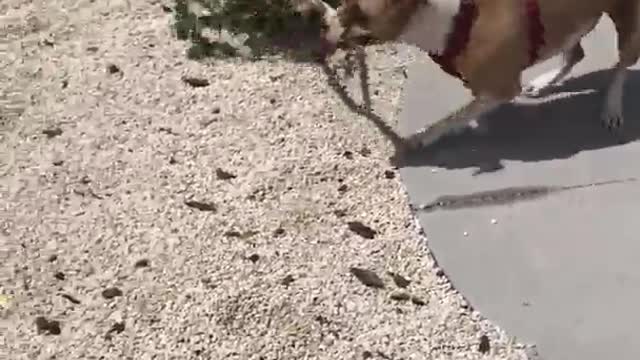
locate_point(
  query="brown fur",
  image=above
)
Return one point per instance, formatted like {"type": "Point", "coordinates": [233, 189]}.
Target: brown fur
{"type": "Point", "coordinates": [499, 39]}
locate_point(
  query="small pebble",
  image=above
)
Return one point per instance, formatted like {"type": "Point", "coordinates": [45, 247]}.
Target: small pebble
{"type": "Point", "coordinates": [52, 132]}
{"type": "Point", "coordinates": [141, 263]}
{"type": "Point", "coordinates": [71, 299]}
{"type": "Point", "coordinates": [224, 175]}
{"type": "Point", "coordinates": [367, 277]}
{"type": "Point", "coordinates": [113, 69]}
{"type": "Point", "coordinates": [111, 293]}
{"type": "Point", "coordinates": [49, 327]}
{"type": "Point", "coordinates": [254, 258]}
{"type": "Point", "coordinates": [389, 174]}
{"type": "Point", "coordinates": [195, 82]}
{"type": "Point", "coordinates": [361, 229]}
{"type": "Point", "coordinates": [465, 233]}
{"type": "Point", "coordinates": [418, 301]}
{"type": "Point", "coordinates": [400, 296]}
{"type": "Point", "coordinates": [494, 221]}
{"type": "Point", "coordinates": [287, 280]}
{"type": "Point", "coordinates": [484, 345]}
{"type": "Point", "coordinates": [399, 280]}
{"type": "Point", "coordinates": [201, 205]}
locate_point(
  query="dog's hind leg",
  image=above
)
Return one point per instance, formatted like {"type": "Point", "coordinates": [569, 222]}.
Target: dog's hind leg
{"type": "Point", "coordinates": [627, 21]}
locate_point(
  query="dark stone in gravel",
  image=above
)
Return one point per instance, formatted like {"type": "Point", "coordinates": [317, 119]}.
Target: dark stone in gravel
{"type": "Point", "coordinates": [361, 229]}
{"type": "Point", "coordinates": [201, 205]}
{"type": "Point", "coordinates": [116, 328]}
{"type": "Point", "coordinates": [254, 258]}
{"type": "Point", "coordinates": [340, 213]}
{"type": "Point", "coordinates": [52, 132]}
{"type": "Point", "coordinates": [240, 235]}
{"type": "Point", "coordinates": [59, 275]}
{"type": "Point", "coordinates": [224, 175]}
{"type": "Point", "coordinates": [142, 263]}
{"type": "Point", "coordinates": [49, 327]}
{"type": "Point", "coordinates": [287, 280]}
{"type": "Point", "coordinates": [389, 174]}
{"type": "Point", "coordinates": [367, 277]}
{"type": "Point", "coordinates": [195, 82]}
{"type": "Point", "coordinates": [365, 151]}
{"type": "Point", "coordinates": [399, 280]}
{"type": "Point", "coordinates": [417, 301]}
{"type": "Point", "coordinates": [400, 296]}
{"type": "Point", "coordinates": [484, 346]}
{"type": "Point", "coordinates": [70, 298]}
{"type": "Point", "coordinates": [113, 69]}
{"type": "Point", "coordinates": [111, 293]}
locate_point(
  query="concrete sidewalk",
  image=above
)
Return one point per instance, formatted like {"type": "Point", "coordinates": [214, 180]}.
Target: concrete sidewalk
{"type": "Point", "coordinates": [552, 256]}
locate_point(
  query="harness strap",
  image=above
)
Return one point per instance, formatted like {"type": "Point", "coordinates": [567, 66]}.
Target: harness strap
{"type": "Point", "coordinates": [536, 30]}
{"type": "Point", "coordinates": [458, 38]}
{"type": "Point", "coordinates": [461, 33]}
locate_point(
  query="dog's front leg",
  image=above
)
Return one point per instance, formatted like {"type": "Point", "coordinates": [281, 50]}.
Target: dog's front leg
{"type": "Point", "coordinates": [454, 121]}
{"type": "Point", "coordinates": [612, 116]}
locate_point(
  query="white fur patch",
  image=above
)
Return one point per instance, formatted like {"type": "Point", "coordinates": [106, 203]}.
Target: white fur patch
{"type": "Point", "coordinates": [430, 26]}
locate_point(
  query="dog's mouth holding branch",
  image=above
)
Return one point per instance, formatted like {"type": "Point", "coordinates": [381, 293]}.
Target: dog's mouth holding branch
{"type": "Point", "coordinates": [339, 29]}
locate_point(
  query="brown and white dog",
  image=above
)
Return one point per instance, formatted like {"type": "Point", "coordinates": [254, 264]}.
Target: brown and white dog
{"type": "Point", "coordinates": [489, 43]}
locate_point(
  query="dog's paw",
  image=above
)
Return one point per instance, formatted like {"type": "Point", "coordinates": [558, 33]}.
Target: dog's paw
{"type": "Point", "coordinates": [542, 83]}
{"type": "Point", "coordinates": [532, 91]}
{"type": "Point", "coordinates": [612, 119]}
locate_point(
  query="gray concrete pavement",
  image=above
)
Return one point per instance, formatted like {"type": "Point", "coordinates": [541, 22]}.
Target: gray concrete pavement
{"type": "Point", "coordinates": [561, 270]}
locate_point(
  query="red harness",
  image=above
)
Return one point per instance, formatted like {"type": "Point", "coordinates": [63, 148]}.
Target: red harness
{"type": "Point", "coordinates": [462, 25]}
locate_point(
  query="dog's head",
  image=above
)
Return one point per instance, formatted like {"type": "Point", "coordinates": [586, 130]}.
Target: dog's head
{"type": "Point", "coordinates": [362, 22]}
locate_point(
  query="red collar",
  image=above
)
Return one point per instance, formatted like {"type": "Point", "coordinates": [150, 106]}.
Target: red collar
{"type": "Point", "coordinates": [461, 33]}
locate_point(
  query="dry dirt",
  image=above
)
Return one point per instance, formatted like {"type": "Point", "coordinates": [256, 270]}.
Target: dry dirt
{"type": "Point", "coordinates": [145, 218]}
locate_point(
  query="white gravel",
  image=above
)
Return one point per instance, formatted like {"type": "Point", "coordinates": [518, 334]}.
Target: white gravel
{"type": "Point", "coordinates": [266, 274]}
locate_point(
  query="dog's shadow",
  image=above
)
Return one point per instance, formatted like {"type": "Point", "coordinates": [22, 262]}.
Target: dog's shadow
{"type": "Point", "coordinates": [556, 128]}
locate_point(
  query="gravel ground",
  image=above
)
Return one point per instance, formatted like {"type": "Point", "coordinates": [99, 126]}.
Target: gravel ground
{"type": "Point", "coordinates": [251, 216]}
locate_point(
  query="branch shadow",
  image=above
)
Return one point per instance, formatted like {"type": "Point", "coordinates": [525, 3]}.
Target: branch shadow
{"type": "Point", "coordinates": [363, 109]}
{"type": "Point", "coordinates": [286, 33]}
{"type": "Point", "coordinates": [558, 128]}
